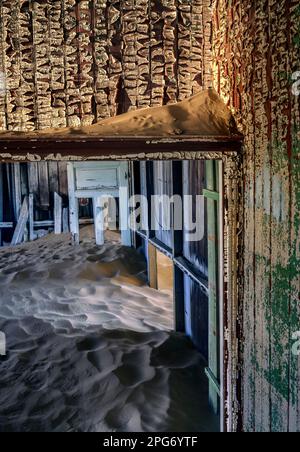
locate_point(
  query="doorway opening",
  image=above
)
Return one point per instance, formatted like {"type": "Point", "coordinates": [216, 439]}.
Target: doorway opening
{"type": "Point", "coordinates": [177, 234]}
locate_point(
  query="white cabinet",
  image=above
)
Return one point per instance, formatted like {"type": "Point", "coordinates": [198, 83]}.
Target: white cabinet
{"type": "Point", "coordinates": [99, 181]}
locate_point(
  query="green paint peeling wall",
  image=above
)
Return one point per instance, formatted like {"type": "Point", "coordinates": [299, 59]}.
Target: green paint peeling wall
{"type": "Point", "coordinates": [256, 52]}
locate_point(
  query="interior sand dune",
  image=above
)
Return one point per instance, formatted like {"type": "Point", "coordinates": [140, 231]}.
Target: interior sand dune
{"type": "Point", "coordinates": [90, 347]}
{"type": "Point", "coordinates": [204, 114]}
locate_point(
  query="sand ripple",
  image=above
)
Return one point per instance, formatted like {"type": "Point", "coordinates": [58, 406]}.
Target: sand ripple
{"type": "Point", "coordinates": [90, 346]}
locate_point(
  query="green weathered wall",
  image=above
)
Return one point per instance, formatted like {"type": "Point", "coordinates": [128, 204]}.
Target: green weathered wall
{"type": "Point", "coordinates": [256, 51]}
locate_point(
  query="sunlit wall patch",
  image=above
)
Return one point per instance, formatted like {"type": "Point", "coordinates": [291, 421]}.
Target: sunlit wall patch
{"type": "Point", "coordinates": [2, 84]}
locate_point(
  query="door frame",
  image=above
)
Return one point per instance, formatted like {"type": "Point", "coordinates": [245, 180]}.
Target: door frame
{"type": "Point", "coordinates": [18, 148]}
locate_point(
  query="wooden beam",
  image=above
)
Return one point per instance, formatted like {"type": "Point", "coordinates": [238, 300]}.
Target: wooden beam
{"type": "Point", "coordinates": [17, 194]}
{"type": "Point", "coordinates": [31, 217]}
{"type": "Point", "coordinates": [187, 268]}
{"type": "Point", "coordinates": [65, 220]}
{"type": "Point", "coordinates": [6, 225]}
{"type": "Point", "coordinates": [57, 214]}
{"type": "Point", "coordinates": [177, 190]}
{"type": "Point", "coordinates": [21, 225]}
{"type": "Point", "coordinates": [150, 193]}
{"type": "Point", "coordinates": [53, 177]}
{"type": "Point", "coordinates": [152, 266]}
{"type": "Point", "coordinates": [213, 198]}
{"type": "Point", "coordinates": [143, 191]}
{"type": "Point", "coordinates": [33, 178]}
{"type": "Point", "coordinates": [44, 194]}
{"type": "Point", "coordinates": [135, 189]}
{"type": "Point", "coordinates": [43, 223]}
{"type": "Point", "coordinates": [179, 300]}
{"type": "Point", "coordinates": [73, 204]}
{"type": "Point", "coordinates": [124, 204]}
{"type": "Point", "coordinates": [9, 187]}
{"type": "Point", "coordinates": [98, 147]}
{"type": "Point", "coordinates": [63, 178]}
{"type": "Point", "coordinates": [99, 220]}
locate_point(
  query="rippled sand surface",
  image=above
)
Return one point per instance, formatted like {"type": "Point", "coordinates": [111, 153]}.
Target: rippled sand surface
{"type": "Point", "coordinates": [90, 346]}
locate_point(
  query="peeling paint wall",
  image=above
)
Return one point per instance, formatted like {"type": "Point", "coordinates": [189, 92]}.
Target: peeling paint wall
{"type": "Point", "coordinates": [256, 50]}
{"type": "Point", "coordinates": [72, 62]}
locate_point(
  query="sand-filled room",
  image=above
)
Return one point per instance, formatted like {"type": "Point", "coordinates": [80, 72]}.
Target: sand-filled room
{"type": "Point", "coordinates": [98, 337]}
{"type": "Point", "coordinates": [149, 219]}
{"type": "Point", "coordinates": [130, 247]}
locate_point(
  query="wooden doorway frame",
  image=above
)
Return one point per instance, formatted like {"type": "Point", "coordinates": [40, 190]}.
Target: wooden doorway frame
{"type": "Point", "coordinates": [20, 148]}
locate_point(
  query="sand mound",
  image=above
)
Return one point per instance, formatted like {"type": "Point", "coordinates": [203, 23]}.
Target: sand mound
{"type": "Point", "coordinates": [89, 345]}
{"type": "Point", "coordinates": [204, 114]}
